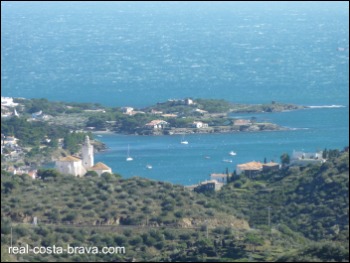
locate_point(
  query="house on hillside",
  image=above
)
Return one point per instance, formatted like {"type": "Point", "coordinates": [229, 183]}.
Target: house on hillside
{"type": "Point", "coordinates": [305, 158]}
{"type": "Point", "coordinates": [189, 101]}
{"type": "Point", "coordinates": [9, 141]}
{"type": "Point", "coordinates": [127, 110]}
{"type": "Point", "coordinates": [199, 125]}
{"type": "Point", "coordinates": [156, 112]}
{"type": "Point", "coordinates": [240, 122]}
{"type": "Point", "coordinates": [271, 166]}
{"type": "Point", "coordinates": [157, 124]}
{"type": "Point", "coordinates": [250, 169]}
{"type": "Point", "coordinates": [202, 112]}
{"type": "Point", "coordinates": [210, 186]}
{"type": "Point", "coordinates": [169, 115]}
{"type": "Point", "coordinates": [8, 102]}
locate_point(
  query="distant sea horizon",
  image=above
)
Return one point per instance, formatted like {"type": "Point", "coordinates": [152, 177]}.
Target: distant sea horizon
{"type": "Point", "coordinates": [121, 54]}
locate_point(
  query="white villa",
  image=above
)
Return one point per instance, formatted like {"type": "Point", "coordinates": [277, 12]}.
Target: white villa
{"type": "Point", "coordinates": [8, 101]}
{"type": "Point", "coordinates": [78, 167]}
{"type": "Point", "coordinates": [127, 110]}
{"type": "Point", "coordinates": [199, 124]}
{"type": "Point", "coordinates": [305, 158]}
{"type": "Point", "coordinates": [201, 111]}
{"type": "Point", "coordinates": [9, 141]}
{"type": "Point", "coordinates": [157, 124]}
{"type": "Point", "coordinates": [242, 122]}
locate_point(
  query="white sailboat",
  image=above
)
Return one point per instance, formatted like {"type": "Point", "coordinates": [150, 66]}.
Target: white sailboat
{"type": "Point", "coordinates": [183, 141]}
{"type": "Point", "coordinates": [129, 158]}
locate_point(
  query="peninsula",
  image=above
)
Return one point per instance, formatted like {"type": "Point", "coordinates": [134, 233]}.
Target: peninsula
{"type": "Point", "coordinates": [36, 131]}
{"type": "Point", "coordinates": [175, 116]}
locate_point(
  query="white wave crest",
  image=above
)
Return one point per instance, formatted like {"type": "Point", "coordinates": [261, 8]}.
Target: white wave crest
{"type": "Point", "coordinates": [326, 106]}
{"type": "Point", "coordinates": [297, 129]}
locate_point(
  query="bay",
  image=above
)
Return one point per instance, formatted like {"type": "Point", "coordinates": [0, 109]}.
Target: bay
{"type": "Point", "coordinates": [314, 129]}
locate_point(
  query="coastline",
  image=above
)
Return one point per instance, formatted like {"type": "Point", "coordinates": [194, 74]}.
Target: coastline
{"type": "Point", "coordinates": [258, 127]}
{"type": "Point", "coordinates": [102, 132]}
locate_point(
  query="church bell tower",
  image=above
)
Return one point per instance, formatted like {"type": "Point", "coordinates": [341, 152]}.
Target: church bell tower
{"type": "Point", "coordinates": [87, 154]}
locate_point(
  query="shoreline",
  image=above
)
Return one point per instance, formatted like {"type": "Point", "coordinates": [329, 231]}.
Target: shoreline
{"type": "Point", "coordinates": [102, 132]}
{"type": "Point", "coordinates": [193, 133]}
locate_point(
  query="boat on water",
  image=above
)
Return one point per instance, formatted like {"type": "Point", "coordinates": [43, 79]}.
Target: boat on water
{"type": "Point", "coordinates": [232, 153]}
{"type": "Point", "coordinates": [227, 160]}
{"type": "Point", "coordinates": [183, 141]}
{"type": "Point", "coordinates": [148, 166]}
{"type": "Point", "coordinates": [128, 157]}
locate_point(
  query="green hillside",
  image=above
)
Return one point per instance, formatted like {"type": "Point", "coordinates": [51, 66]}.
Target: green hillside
{"type": "Point", "coordinates": [295, 214]}
{"type": "Point", "coordinates": [313, 200]}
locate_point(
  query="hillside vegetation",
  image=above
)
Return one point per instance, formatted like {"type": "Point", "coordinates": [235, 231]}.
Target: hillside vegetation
{"type": "Point", "coordinates": [156, 221]}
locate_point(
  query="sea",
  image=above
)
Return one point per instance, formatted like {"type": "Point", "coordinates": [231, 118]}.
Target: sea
{"type": "Point", "coordinates": [140, 53]}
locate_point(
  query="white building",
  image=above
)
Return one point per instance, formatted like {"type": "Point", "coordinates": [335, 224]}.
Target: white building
{"type": "Point", "coordinates": [201, 111]}
{"type": "Point", "coordinates": [305, 158]}
{"type": "Point", "coordinates": [78, 167]}
{"type": "Point", "coordinates": [71, 165]}
{"type": "Point", "coordinates": [211, 185]}
{"type": "Point", "coordinates": [9, 141]}
{"type": "Point", "coordinates": [157, 124]}
{"type": "Point", "coordinates": [189, 102]}
{"type": "Point", "coordinates": [127, 110]}
{"type": "Point", "coordinates": [8, 101]}
{"type": "Point", "coordinates": [199, 124]}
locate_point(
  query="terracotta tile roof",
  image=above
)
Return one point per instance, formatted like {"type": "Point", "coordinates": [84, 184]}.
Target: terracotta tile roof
{"type": "Point", "coordinates": [169, 115]}
{"type": "Point", "coordinates": [100, 166]}
{"type": "Point", "coordinates": [70, 159]}
{"type": "Point", "coordinates": [250, 166]}
{"type": "Point", "coordinates": [156, 122]}
{"type": "Point", "coordinates": [242, 122]}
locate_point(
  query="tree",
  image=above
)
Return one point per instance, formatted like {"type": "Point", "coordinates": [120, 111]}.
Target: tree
{"type": "Point", "coordinates": [91, 174]}
{"type": "Point", "coordinates": [254, 240]}
{"type": "Point", "coordinates": [48, 173]}
{"type": "Point", "coordinates": [285, 159]}
{"type": "Point", "coordinates": [54, 143]}
{"type": "Point", "coordinates": [325, 153]}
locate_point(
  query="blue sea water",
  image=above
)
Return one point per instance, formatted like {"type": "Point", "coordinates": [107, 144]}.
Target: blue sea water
{"type": "Point", "coordinates": [186, 164]}
{"type": "Point", "coordinates": [137, 54]}
{"type": "Point", "coordinates": [113, 52]}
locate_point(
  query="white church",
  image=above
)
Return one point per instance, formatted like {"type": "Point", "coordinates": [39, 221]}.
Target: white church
{"type": "Point", "coordinates": [79, 167]}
